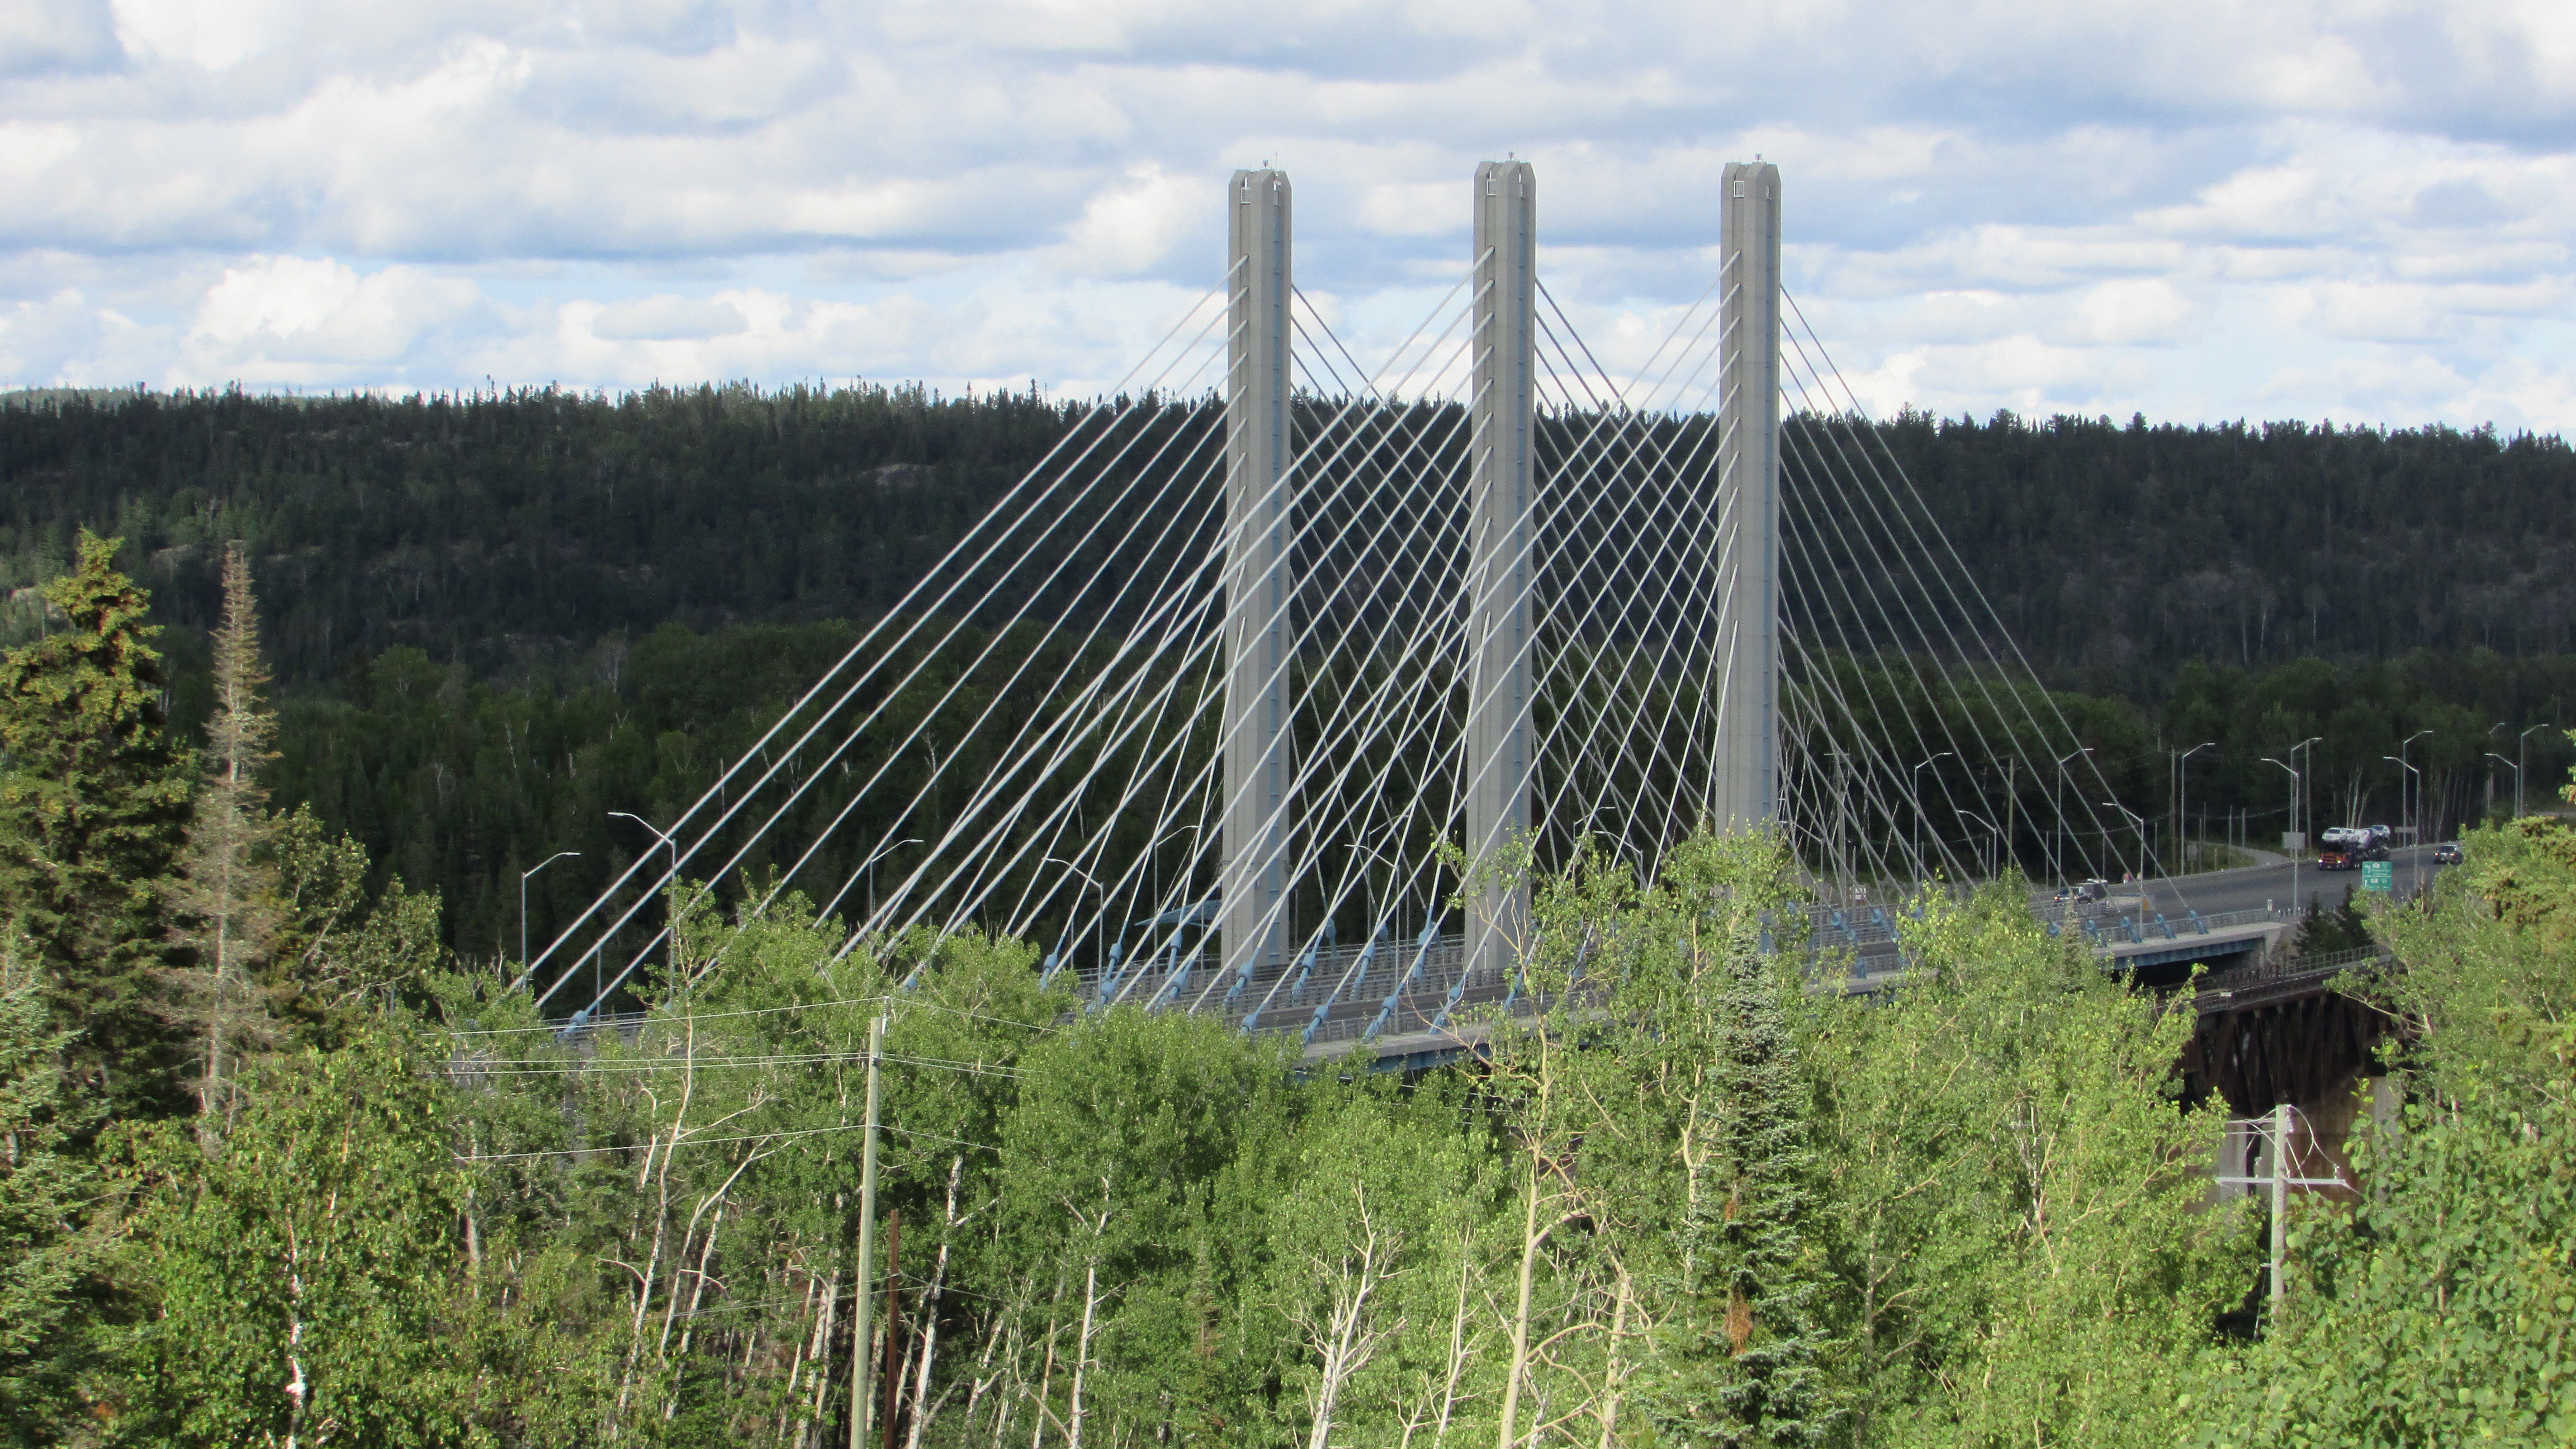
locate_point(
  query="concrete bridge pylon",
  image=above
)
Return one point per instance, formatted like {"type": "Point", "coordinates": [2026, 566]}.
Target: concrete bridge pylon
{"type": "Point", "coordinates": [1252, 879]}
{"type": "Point", "coordinates": [1746, 791]}
{"type": "Point", "coordinates": [1500, 753]}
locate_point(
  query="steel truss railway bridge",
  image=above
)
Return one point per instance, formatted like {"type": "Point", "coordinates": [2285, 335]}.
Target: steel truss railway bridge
{"type": "Point", "coordinates": [1217, 700]}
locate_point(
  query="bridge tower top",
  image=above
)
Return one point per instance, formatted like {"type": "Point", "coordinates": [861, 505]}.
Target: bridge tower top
{"type": "Point", "coordinates": [1260, 578]}
{"type": "Point", "coordinates": [1747, 788]}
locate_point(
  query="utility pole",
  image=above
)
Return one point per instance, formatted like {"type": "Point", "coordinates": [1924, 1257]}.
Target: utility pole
{"type": "Point", "coordinates": [2299, 811]}
{"type": "Point", "coordinates": [2514, 766]}
{"type": "Point", "coordinates": [2012, 807]}
{"type": "Point", "coordinates": [2280, 1195]}
{"type": "Point", "coordinates": [865, 1276]}
{"type": "Point", "coordinates": [2280, 1179]}
{"type": "Point", "coordinates": [1915, 788]}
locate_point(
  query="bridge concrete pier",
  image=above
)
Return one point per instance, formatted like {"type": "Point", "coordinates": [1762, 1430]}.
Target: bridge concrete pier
{"type": "Point", "coordinates": [1746, 787]}
{"type": "Point", "coordinates": [1252, 880]}
{"type": "Point", "coordinates": [1496, 771]}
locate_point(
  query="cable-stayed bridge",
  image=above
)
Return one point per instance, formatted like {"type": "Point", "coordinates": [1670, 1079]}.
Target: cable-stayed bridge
{"type": "Point", "coordinates": [1199, 702]}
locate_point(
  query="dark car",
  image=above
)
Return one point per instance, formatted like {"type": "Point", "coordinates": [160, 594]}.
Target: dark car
{"type": "Point", "coordinates": [2447, 853]}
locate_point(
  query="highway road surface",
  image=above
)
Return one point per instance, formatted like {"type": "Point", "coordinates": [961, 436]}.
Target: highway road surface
{"type": "Point", "coordinates": [2219, 892]}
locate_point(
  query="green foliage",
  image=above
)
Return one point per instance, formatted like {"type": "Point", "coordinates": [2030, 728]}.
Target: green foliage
{"type": "Point", "coordinates": [2022, 1246]}
{"type": "Point", "coordinates": [301, 1275]}
{"type": "Point", "coordinates": [1694, 1199]}
{"type": "Point", "coordinates": [1742, 1355]}
{"type": "Point", "coordinates": [2323, 932]}
{"type": "Point", "coordinates": [2441, 1307]}
{"type": "Point", "coordinates": [1375, 1234]}
{"type": "Point", "coordinates": [93, 799]}
{"type": "Point", "coordinates": [50, 1238]}
{"type": "Point", "coordinates": [2439, 1310]}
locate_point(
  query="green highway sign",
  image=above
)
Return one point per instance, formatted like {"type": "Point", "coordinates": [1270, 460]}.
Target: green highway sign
{"type": "Point", "coordinates": [2376, 875]}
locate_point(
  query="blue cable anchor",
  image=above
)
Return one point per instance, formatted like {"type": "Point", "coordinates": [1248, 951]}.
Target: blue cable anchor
{"type": "Point", "coordinates": [1421, 954]}
{"type": "Point", "coordinates": [1108, 975]}
{"type": "Point", "coordinates": [1305, 965]}
{"type": "Point", "coordinates": [1316, 1022]}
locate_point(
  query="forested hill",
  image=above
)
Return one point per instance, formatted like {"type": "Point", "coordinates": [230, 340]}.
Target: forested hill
{"type": "Point", "coordinates": [518, 530]}
{"type": "Point", "coordinates": [513, 530]}
{"type": "Point", "coordinates": [2116, 552]}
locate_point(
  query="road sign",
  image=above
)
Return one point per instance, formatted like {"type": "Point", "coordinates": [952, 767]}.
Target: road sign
{"type": "Point", "coordinates": [2377, 875]}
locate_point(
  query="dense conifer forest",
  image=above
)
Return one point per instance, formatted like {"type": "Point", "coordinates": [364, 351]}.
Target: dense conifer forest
{"type": "Point", "coordinates": [516, 531]}
{"type": "Point", "coordinates": [493, 619]}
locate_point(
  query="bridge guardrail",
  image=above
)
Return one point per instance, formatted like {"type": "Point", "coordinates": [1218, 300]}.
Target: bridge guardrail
{"type": "Point", "coordinates": [2281, 978]}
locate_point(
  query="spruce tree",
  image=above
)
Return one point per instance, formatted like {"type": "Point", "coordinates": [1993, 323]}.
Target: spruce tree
{"type": "Point", "coordinates": [50, 1240]}
{"type": "Point", "coordinates": [1743, 1362]}
{"type": "Point", "coordinates": [93, 797]}
{"type": "Point", "coordinates": [225, 895]}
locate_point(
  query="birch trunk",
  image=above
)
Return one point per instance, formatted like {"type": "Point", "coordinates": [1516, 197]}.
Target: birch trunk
{"type": "Point", "coordinates": [1519, 1362]}
{"type": "Point", "coordinates": [930, 1308]}
{"type": "Point", "coordinates": [1082, 1348]}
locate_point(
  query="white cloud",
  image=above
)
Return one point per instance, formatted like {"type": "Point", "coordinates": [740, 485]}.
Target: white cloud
{"type": "Point", "coordinates": [294, 320]}
{"type": "Point", "coordinates": [66, 35]}
{"type": "Point", "coordinates": [666, 316]}
{"type": "Point", "coordinates": [2189, 207]}
{"type": "Point", "coordinates": [1134, 227]}
{"type": "Point", "coordinates": [2136, 309]}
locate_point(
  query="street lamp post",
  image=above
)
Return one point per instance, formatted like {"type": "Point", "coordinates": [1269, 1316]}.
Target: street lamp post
{"type": "Point", "coordinates": [1994, 833]}
{"type": "Point", "coordinates": [2516, 767]}
{"type": "Point", "coordinates": [671, 905]}
{"type": "Point", "coordinates": [1374, 920]}
{"type": "Point", "coordinates": [523, 900]}
{"type": "Point", "coordinates": [2519, 742]}
{"type": "Point", "coordinates": [2415, 825]}
{"type": "Point", "coordinates": [1915, 786]}
{"type": "Point", "coordinates": [1154, 861]}
{"type": "Point", "coordinates": [2299, 807]}
{"type": "Point", "coordinates": [2294, 816]}
{"type": "Point", "coordinates": [2058, 787]}
{"type": "Point", "coordinates": [1099, 923]}
{"type": "Point", "coordinates": [2139, 822]}
{"type": "Point", "coordinates": [2414, 819]}
{"type": "Point", "coordinates": [2182, 782]}
{"type": "Point", "coordinates": [870, 866]}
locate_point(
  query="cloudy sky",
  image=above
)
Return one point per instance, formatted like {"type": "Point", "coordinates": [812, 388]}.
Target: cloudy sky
{"type": "Point", "coordinates": [2199, 209]}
